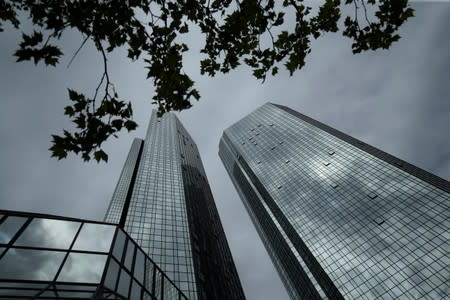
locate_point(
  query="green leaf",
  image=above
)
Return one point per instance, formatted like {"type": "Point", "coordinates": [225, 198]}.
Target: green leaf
{"type": "Point", "coordinates": [130, 125]}
{"type": "Point", "coordinates": [68, 110]}
{"type": "Point", "coordinates": [100, 155]}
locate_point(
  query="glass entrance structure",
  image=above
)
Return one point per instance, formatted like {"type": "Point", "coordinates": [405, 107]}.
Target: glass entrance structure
{"type": "Point", "coordinates": [49, 257]}
{"type": "Point", "coordinates": [339, 218]}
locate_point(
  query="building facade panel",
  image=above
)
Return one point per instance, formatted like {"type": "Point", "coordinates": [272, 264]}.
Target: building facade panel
{"type": "Point", "coordinates": [362, 224]}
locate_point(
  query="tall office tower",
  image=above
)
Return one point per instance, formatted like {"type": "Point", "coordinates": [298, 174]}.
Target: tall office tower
{"type": "Point", "coordinates": [339, 218]}
{"type": "Point", "coordinates": [164, 202]}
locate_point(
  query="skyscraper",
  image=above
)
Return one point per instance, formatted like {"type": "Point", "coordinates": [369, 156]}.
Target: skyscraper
{"type": "Point", "coordinates": [164, 202]}
{"type": "Point", "coordinates": [339, 218]}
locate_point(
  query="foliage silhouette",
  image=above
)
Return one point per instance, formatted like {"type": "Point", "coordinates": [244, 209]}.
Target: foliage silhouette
{"type": "Point", "coordinates": [233, 32]}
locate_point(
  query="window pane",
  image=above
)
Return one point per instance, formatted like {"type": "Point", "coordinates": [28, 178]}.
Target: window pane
{"type": "Point", "coordinates": [29, 264]}
{"type": "Point", "coordinates": [48, 233]}
{"type": "Point", "coordinates": [136, 291]}
{"type": "Point", "coordinates": [95, 237]}
{"type": "Point", "coordinates": [81, 267]}
{"type": "Point", "coordinates": [124, 284]}
{"type": "Point", "coordinates": [158, 282]}
{"type": "Point", "coordinates": [111, 274]}
{"type": "Point", "coordinates": [118, 245]}
{"type": "Point", "coordinates": [170, 292]}
{"type": "Point", "coordinates": [129, 255]}
{"type": "Point", "coordinates": [9, 228]}
{"type": "Point", "coordinates": [148, 275]}
{"type": "Point", "coordinates": [139, 266]}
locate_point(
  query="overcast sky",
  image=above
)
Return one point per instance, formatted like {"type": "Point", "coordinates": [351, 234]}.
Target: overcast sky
{"type": "Point", "coordinates": [397, 100]}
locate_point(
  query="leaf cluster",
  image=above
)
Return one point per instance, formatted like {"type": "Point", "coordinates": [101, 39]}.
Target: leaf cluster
{"type": "Point", "coordinates": [235, 32]}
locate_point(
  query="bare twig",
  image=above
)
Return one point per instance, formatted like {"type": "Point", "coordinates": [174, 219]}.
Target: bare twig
{"type": "Point", "coordinates": [365, 12]}
{"type": "Point", "coordinates": [78, 50]}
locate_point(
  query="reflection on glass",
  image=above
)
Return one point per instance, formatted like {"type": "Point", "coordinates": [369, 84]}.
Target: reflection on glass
{"type": "Point", "coordinates": [136, 291]}
{"type": "Point", "coordinates": [76, 295]}
{"type": "Point", "coordinates": [9, 228]}
{"type": "Point", "coordinates": [158, 281]}
{"type": "Point", "coordinates": [139, 266]}
{"type": "Point", "coordinates": [118, 245]}
{"type": "Point", "coordinates": [148, 274]}
{"type": "Point", "coordinates": [29, 264]}
{"type": "Point", "coordinates": [16, 293]}
{"type": "Point", "coordinates": [170, 292]}
{"type": "Point", "coordinates": [61, 286]}
{"type": "Point", "coordinates": [82, 267]}
{"type": "Point", "coordinates": [48, 233]}
{"type": "Point", "coordinates": [124, 284]}
{"type": "Point", "coordinates": [129, 255]}
{"type": "Point", "coordinates": [147, 296]}
{"type": "Point", "coordinates": [111, 274]}
{"type": "Point", "coordinates": [95, 237]}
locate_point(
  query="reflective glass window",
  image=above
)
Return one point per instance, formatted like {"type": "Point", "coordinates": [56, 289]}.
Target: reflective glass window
{"type": "Point", "coordinates": [139, 266]}
{"type": "Point", "coordinates": [95, 237]}
{"type": "Point", "coordinates": [170, 292]}
{"type": "Point", "coordinates": [76, 295]}
{"type": "Point", "coordinates": [158, 283]}
{"type": "Point", "coordinates": [129, 255]}
{"type": "Point", "coordinates": [111, 274]}
{"type": "Point", "coordinates": [60, 286]}
{"type": "Point", "coordinates": [82, 267]}
{"type": "Point", "coordinates": [48, 233]}
{"type": "Point", "coordinates": [9, 228]}
{"type": "Point", "coordinates": [148, 274]}
{"type": "Point", "coordinates": [124, 284]}
{"type": "Point", "coordinates": [18, 293]}
{"type": "Point", "coordinates": [29, 264]}
{"type": "Point", "coordinates": [119, 244]}
{"type": "Point", "coordinates": [136, 291]}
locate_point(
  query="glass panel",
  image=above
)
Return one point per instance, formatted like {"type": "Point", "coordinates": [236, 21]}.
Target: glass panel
{"type": "Point", "coordinates": [48, 233]}
{"type": "Point", "coordinates": [37, 286]}
{"type": "Point", "coordinates": [75, 287]}
{"type": "Point", "coordinates": [148, 275]}
{"type": "Point", "coordinates": [9, 228]}
{"type": "Point", "coordinates": [136, 291]}
{"type": "Point", "coordinates": [147, 296]}
{"type": "Point", "coordinates": [139, 266]}
{"type": "Point", "coordinates": [124, 284]}
{"type": "Point", "coordinates": [158, 282]}
{"type": "Point", "coordinates": [118, 245]}
{"type": "Point", "coordinates": [48, 294]}
{"type": "Point", "coordinates": [81, 267]}
{"type": "Point", "coordinates": [29, 264]}
{"type": "Point", "coordinates": [95, 237]}
{"type": "Point", "coordinates": [111, 274]}
{"type": "Point", "coordinates": [129, 255]}
{"type": "Point", "coordinates": [170, 292]}
{"type": "Point", "coordinates": [76, 295]}
{"type": "Point", "coordinates": [17, 293]}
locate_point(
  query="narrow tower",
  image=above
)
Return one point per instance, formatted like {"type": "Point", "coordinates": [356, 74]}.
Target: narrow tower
{"type": "Point", "coordinates": [339, 218]}
{"type": "Point", "coordinates": [164, 202]}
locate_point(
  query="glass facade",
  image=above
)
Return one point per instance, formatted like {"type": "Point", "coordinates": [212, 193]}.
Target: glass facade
{"type": "Point", "coordinates": [48, 257]}
{"type": "Point", "coordinates": [167, 207]}
{"type": "Point", "coordinates": [339, 218]}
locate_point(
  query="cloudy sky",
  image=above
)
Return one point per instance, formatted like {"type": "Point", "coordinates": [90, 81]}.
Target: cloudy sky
{"type": "Point", "coordinates": [397, 100]}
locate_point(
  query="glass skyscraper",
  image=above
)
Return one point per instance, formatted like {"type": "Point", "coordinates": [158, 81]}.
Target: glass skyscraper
{"type": "Point", "coordinates": [339, 218]}
{"type": "Point", "coordinates": [164, 202]}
